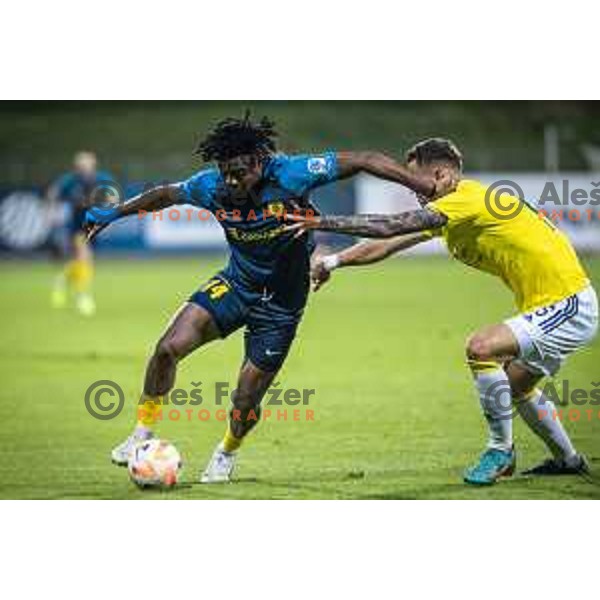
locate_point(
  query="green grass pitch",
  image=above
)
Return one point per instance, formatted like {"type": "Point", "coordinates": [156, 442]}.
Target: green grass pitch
{"type": "Point", "coordinates": [395, 415]}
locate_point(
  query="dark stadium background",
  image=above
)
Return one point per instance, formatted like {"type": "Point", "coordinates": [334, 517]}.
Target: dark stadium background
{"type": "Point", "coordinates": [154, 139]}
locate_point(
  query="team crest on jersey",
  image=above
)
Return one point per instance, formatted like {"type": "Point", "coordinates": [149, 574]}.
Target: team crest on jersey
{"type": "Point", "coordinates": [276, 208]}
{"type": "Point", "coordinates": [317, 165]}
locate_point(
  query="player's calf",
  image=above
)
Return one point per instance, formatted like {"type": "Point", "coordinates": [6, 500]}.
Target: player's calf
{"type": "Point", "coordinates": [245, 413]}
{"type": "Point", "coordinates": [486, 352]}
{"type": "Point", "coordinates": [162, 366]}
{"type": "Point", "coordinates": [192, 327]}
{"type": "Point", "coordinates": [243, 417]}
{"type": "Point", "coordinates": [540, 414]}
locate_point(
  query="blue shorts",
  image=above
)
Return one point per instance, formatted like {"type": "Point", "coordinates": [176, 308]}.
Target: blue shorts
{"type": "Point", "coordinates": [75, 221]}
{"type": "Point", "coordinates": [270, 327]}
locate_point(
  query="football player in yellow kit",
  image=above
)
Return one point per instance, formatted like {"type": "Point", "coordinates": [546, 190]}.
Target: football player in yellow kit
{"type": "Point", "coordinates": [558, 307]}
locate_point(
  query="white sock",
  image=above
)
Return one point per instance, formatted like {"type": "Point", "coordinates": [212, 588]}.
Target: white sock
{"type": "Point", "coordinates": [539, 412]}
{"type": "Point", "coordinates": [496, 402]}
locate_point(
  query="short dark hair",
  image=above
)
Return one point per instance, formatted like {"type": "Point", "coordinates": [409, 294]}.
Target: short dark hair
{"type": "Point", "coordinates": [234, 137]}
{"type": "Point", "coordinates": [436, 150]}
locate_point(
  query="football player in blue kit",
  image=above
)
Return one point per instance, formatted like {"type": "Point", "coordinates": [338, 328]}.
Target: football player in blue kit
{"type": "Point", "coordinates": [264, 286]}
{"type": "Point", "coordinates": [75, 190]}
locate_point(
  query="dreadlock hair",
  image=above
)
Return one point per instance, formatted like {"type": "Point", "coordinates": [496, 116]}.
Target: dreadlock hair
{"type": "Point", "coordinates": [233, 137]}
{"type": "Point", "coordinates": [436, 150]}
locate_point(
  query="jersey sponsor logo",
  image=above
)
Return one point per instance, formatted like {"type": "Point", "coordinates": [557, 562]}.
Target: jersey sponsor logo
{"type": "Point", "coordinates": [254, 237]}
{"type": "Point", "coordinates": [317, 165]}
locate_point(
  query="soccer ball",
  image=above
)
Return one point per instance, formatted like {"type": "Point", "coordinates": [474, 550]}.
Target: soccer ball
{"type": "Point", "coordinates": [154, 463]}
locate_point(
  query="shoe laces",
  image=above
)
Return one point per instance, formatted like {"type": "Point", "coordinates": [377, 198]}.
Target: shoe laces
{"type": "Point", "coordinates": [491, 458]}
{"type": "Point", "coordinates": [224, 458]}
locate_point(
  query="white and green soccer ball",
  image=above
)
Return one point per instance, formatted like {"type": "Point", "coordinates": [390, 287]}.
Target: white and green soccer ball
{"type": "Point", "coordinates": [154, 463]}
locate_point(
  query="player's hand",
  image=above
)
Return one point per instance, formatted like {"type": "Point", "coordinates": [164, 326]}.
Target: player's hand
{"type": "Point", "coordinates": [319, 274]}
{"type": "Point", "coordinates": [95, 221]}
{"type": "Point", "coordinates": [92, 230]}
{"type": "Point", "coordinates": [301, 224]}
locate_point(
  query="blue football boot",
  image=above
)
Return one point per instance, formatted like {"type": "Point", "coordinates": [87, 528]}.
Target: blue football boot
{"type": "Point", "coordinates": [492, 465]}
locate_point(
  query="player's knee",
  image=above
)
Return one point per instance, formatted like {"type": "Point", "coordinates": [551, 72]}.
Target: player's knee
{"type": "Point", "coordinates": [479, 347]}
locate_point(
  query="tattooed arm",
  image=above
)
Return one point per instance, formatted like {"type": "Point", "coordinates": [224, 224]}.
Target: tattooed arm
{"type": "Point", "coordinates": [374, 226]}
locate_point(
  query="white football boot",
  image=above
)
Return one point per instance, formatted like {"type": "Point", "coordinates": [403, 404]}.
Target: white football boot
{"type": "Point", "coordinates": [121, 453]}
{"type": "Point", "coordinates": [220, 466]}
{"type": "Point", "coordinates": [86, 305]}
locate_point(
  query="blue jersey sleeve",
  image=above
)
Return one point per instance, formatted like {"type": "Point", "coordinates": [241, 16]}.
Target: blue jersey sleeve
{"type": "Point", "coordinates": [104, 177]}
{"type": "Point", "coordinates": [199, 189]}
{"type": "Point", "coordinates": [72, 188]}
{"type": "Point", "coordinates": [302, 173]}
{"type": "Point", "coordinates": [61, 188]}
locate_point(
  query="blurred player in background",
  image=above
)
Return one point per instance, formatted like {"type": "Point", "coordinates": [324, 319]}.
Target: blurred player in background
{"type": "Point", "coordinates": [74, 191]}
{"type": "Point", "coordinates": [264, 287]}
{"type": "Point", "coordinates": [558, 306]}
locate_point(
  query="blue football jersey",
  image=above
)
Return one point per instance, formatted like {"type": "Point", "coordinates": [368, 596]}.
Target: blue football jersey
{"type": "Point", "coordinates": [264, 257]}
{"type": "Point", "coordinates": [75, 189]}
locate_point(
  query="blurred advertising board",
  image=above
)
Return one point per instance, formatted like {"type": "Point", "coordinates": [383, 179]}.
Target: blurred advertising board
{"type": "Point", "coordinates": [30, 223]}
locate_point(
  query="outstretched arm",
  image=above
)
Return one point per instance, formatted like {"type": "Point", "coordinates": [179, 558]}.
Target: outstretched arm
{"type": "Point", "coordinates": [373, 226]}
{"type": "Point", "coordinates": [154, 199]}
{"type": "Point", "coordinates": [383, 166]}
{"type": "Point", "coordinates": [363, 253]}
{"type": "Point", "coordinates": [373, 251]}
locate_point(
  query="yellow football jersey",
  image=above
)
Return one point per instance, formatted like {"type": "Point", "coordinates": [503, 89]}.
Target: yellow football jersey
{"type": "Point", "coordinates": [534, 258]}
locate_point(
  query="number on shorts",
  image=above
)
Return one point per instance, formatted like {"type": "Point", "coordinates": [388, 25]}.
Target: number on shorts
{"type": "Point", "coordinates": [216, 289]}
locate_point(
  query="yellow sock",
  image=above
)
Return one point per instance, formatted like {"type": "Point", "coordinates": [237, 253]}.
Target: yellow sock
{"type": "Point", "coordinates": [82, 276]}
{"type": "Point", "coordinates": [70, 272]}
{"type": "Point", "coordinates": [149, 410]}
{"type": "Point", "coordinates": [230, 442]}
